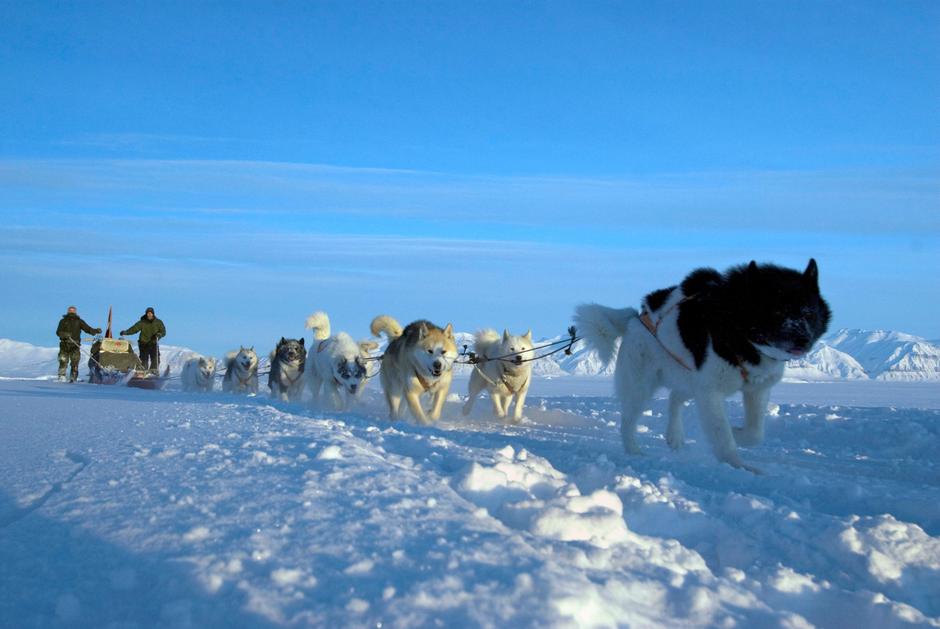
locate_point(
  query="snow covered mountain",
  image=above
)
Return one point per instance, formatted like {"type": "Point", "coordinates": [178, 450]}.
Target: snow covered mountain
{"type": "Point", "coordinates": [886, 355]}
{"type": "Point", "coordinates": [846, 354]}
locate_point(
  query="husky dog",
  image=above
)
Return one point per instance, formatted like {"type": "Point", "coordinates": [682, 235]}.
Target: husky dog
{"type": "Point", "coordinates": [287, 370]}
{"type": "Point", "coordinates": [711, 336]}
{"type": "Point", "coordinates": [504, 370]}
{"type": "Point", "coordinates": [417, 360]}
{"type": "Point", "coordinates": [198, 374]}
{"type": "Point", "coordinates": [336, 363]}
{"type": "Point", "coordinates": [241, 371]}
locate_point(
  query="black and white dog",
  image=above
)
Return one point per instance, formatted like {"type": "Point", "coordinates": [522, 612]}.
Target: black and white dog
{"type": "Point", "coordinates": [711, 336]}
{"type": "Point", "coordinates": [286, 379]}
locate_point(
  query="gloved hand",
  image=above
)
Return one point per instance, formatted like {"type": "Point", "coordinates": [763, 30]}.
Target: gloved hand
{"type": "Point", "coordinates": [97, 330]}
{"type": "Point", "coordinates": [122, 332]}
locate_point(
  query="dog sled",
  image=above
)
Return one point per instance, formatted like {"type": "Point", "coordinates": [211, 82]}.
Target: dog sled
{"type": "Point", "coordinates": [113, 361]}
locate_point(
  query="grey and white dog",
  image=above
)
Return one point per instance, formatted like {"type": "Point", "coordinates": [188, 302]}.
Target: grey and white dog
{"type": "Point", "coordinates": [198, 374]}
{"type": "Point", "coordinates": [286, 379]}
{"type": "Point", "coordinates": [241, 371]}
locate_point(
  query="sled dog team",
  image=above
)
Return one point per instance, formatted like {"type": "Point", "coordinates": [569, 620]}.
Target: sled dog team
{"type": "Point", "coordinates": [418, 360]}
{"type": "Point", "coordinates": [710, 336]}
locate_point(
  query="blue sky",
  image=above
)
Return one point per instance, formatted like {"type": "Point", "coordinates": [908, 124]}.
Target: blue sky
{"type": "Point", "coordinates": [238, 165]}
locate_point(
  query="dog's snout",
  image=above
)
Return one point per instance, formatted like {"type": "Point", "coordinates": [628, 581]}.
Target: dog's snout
{"type": "Point", "coordinates": [438, 364]}
{"type": "Point", "coordinates": [353, 387]}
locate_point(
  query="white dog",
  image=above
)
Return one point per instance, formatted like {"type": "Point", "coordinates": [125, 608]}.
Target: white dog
{"type": "Point", "coordinates": [241, 371]}
{"type": "Point", "coordinates": [504, 370]}
{"type": "Point", "coordinates": [336, 365]}
{"type": "Point", "coordinates": [198, 374]}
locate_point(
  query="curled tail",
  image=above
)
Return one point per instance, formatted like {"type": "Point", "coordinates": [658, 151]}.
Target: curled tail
{"type": "Point", "coordinates": [229, 359]}
{"type": "Point", "coordinates": [484, 340]}
{"type": "Point", "coordinates": [319, 322]}
{"type": "Point", "coordinates": [384, 323]}
{"type": "Point", "coordinates": [602, 327]}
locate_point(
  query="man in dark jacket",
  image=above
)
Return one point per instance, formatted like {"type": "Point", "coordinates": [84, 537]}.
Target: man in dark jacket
{"type": "Point", "coordinates": [70, 338]}
{"type": "Point", "coordinates": [151, 331]}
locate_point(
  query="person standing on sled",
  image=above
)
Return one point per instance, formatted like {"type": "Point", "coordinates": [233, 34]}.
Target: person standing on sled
{"type": "Point", "coordinates": [151, 331]}
{"type": "Point", "coordinates": [70, 341]}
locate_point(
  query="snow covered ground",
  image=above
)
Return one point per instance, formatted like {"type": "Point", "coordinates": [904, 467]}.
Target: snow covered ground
{"type": "Point", "coordinates": [122, 507]}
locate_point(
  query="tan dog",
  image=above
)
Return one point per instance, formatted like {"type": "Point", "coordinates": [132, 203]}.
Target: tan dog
{"type": "Point", "coordinates": [418, 360]}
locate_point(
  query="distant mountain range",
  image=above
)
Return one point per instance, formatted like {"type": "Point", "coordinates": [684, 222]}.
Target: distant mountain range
{"type": "Point", "coordinates": [847, 354]}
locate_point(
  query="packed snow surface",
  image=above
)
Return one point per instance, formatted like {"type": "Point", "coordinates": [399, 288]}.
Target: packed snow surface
{"type": "Point", "coordinates": [123, 507]}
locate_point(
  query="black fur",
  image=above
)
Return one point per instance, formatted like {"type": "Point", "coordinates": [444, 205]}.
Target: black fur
{"type": "Point", "coordinates": [288, 350]}
{"type": "Point", "coordinates": [655, 300]}
{"type": "Point", "coordinates": [412, 333]}
{"type": "Point", "coordinates": [763, 304]}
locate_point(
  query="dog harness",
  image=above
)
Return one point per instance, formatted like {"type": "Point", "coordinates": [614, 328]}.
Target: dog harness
{"type": "Point", "coordinates": [653, 328]}
{"type": "Point", "coordinates": [502, 378]}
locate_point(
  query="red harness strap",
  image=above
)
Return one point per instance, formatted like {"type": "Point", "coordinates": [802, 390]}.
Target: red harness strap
{"type": "Point", "coordinates": [653, 328]}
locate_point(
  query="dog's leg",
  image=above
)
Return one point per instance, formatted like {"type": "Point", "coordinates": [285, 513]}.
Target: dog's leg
{"type": "Point", "coordinates": [336, 396]}
{"type": "Point", "coordinates": [635, 391]}
{"type": "Point", "coordinates": [437, 404]}
{"type": "Point", "coordinates": [500, 404]}
{"type": "Point", "coordinates": [476, 386]}
{"type": "Point", "coordinates": [414, 403]}
{"type": "Point", "coordinates": [394, 404]}
{"type": "Point", "coordinates": [714, 419]}
{"type": "Point", "coordinates": [675, 435]}
{"type": "Point", "coordinates": [520, 404]}
{"type": "Point", "coordinates": [755, 407]}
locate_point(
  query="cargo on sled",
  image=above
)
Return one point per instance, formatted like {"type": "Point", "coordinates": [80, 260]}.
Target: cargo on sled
{"type": "Point", "coordinates": [113, 361]}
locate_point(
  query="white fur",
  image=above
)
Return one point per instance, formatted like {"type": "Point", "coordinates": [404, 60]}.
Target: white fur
{"type": "Point", "coordinates": [241, 371]}
{"type": "Point", "coordinates": [198, 374]}
{"type": "Point", "coordinates": [502, 379]}
{"type": "Point", "coordinates": [643, 365]}
{"type": "Point", "coordinates": [325, 359]}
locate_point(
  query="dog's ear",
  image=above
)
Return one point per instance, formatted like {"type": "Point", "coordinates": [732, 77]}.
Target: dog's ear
{"type": "Point", "coordinates": [449, 331]}
{"type": "Point", "coordinates": [528, 335]}
{"type": "Point", "coordinates": [301, 341]}
{"type": "Point", "coordinates": [811, 274]}
{"type": "Point", "coordinates": [750, 274]}
{"type": "Point", "coordinates": [422, 330]}
{"type": "Point", "coordinates": [505, 335]}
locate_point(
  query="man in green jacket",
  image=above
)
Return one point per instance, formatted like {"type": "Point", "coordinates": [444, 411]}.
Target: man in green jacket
{"type": "Point", "coordinates": [70, 341]}
{"type": "Point", "coordinates": [151, 331]}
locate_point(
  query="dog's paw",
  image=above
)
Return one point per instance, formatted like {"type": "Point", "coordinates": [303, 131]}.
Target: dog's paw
{"type": "Point", "coordinates": [631, 447]}
{"type": "Point", "coordinates": [744, 437]}
{"type": "Point", "coordinates": [675, 438]}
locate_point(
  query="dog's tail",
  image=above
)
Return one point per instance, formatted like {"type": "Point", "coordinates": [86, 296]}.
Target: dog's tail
{"type": "Point", "coordinates": [229, 359]}
{"type": "Point", "coordinates": [602, 327]}
{"type": "Point", "coordinates": [320, 324]}
{"type": "Point", "coordinates": [384, 323]}
{"type": "Point", "coordinates": [484, 340]}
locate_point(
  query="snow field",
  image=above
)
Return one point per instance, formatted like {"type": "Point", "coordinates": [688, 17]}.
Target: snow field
{"type": "Point", "coordinates": [123, 507]}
